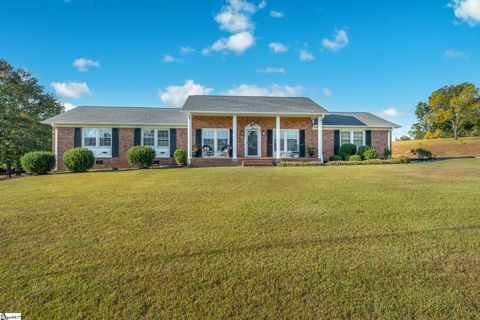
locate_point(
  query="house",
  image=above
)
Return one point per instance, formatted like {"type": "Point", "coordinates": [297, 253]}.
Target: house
{"type": "Point", "coordinates": [227, 130]}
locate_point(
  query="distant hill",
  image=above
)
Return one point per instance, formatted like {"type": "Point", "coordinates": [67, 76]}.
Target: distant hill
{"type": "Point", "coordinates": [440, 147]}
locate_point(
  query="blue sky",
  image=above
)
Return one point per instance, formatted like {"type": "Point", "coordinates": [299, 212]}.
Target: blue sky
{"type": "Point", "coordinates": [376, 56]}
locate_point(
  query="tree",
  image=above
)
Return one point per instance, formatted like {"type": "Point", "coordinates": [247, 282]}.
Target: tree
{"type": "Point", "coordinates": [23, 105]}
{"type": "Point", "coordinates": [454, 106]}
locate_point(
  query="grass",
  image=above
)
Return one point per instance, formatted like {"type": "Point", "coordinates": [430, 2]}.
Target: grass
{"type": "Point", "coordinates": [396, 241]}
{"type": "Point", "coordinates": [440, 147]}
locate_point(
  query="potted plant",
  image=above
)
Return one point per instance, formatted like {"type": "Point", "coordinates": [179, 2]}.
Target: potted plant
{"type": "Point", "coordinates": [311, 150]}
{"type": "Point", "coordinates": [196, 150]}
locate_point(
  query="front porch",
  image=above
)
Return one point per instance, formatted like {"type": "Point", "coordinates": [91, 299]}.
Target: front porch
{"type": "Point", "coordinates": [224, 140]}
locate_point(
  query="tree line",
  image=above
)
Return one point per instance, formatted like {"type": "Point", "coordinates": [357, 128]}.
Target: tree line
{"type": "Point", "coordinates": [24, 103]}
{"type": "Point", "coordinates": [451, 111]}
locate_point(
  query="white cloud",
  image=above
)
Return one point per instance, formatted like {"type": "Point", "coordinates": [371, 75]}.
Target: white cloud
{"type": "Point", "coordinates": [276, 14]}
{"type": "Point", "coordinates": [306, 56]}
{"type": "Point", "coordinates": [327, 92]}
{"type": "Point", "coordinates": [186, 49]}
{"type": "Point", "coordinates": [340, 41]}
{"type": "Point", "coordinates": [175, 96]}
{"type": "Point", "coordinates": [274, 90]}
{"type": "Point", "coordinates": [237, 43]}
{"type": "Point", "coordinates": [271, 70]}
{"type": "Point", "coordinates": [262, 4]}
{"type": "Point", "coordinates": [453, 53]}
{"type": "Point", "coordinates": [82, 64]}
{"type": "Point", "coordinates": [69, 106]}
{"type": "Point", "coordinates": [393, 113]}
{"type": "Point", "coordinates": [170, 58]}
{"type": "Point", "coordinates": [467, 10]}
{"type": "Point", "coordinates": [277, 47]}
{"type": "Point", "coordinates": [73, 90]}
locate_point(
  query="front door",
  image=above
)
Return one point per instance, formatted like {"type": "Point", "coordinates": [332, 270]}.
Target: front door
{"type": "Point", "coordinates": [253, 143]}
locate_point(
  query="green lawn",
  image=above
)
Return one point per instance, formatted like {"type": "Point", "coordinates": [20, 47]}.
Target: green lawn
{"type": "Point", "coordinates": [392, 241]}
{"type": "Point", "coordinates": [447, 147]}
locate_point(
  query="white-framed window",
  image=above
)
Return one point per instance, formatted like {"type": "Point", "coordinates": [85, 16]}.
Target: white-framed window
{"type": "Point", "coordinates": [289, 140]}
{"type": "Point", "coordinates": [99, 140]}
{"type": "Point", "coordinates": [215, 138]}
{"type": "Point", "coordinates": [355, 137]}
{"type": "Point", "coordinates": [158, 139]}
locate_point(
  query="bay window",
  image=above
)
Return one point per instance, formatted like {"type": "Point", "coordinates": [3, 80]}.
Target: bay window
{"type": "Point", "coordinates": [99, 140]}
{"type": "Point", "coordinates": [289, 140]}
{"type": "Point", "coordinates": [158, 139]}
{"type": "Point", "coordinates": [216, 139]}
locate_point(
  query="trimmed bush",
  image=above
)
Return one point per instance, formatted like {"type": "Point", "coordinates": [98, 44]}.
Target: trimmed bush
{"type": "Point", "coordinates": [422, 153]}
{"type": "Point", "coordinates": [79, 159]}
{"type": "Point", "coordinates": [298, 164]}
{"type": "Point", "coordinates": [38, 162]}
{"type": "Point", "coordinates": [335, 157]}
{"type": "Point", "coordinates": [368, 162]}
{"type": "Point", "coordinates": [180, 156]}
{"type": "Point", "coordinates": [141, 157]}
{"type": "Point", "coordinates": [347, 149]}
{"type": "Point", "coordinates": [355, 157]}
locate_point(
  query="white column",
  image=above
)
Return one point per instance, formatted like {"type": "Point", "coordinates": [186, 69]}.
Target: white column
{"type": "Point", "coordinates": [56, 149]}
{"type": "Point", "coordinates": [189, 139]}
{"type": "Point", "coordinates": [320, 138]}
{"type": "Point", "coordinates": [234, 136]}
{"type": "Point", "coordinates": [389, 139]}
{"type": "Point", "coordinates": [277, 130]}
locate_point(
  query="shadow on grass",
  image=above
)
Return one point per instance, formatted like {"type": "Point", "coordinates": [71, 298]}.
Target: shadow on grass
{"type": "Point", "coordinates": [260, 247]}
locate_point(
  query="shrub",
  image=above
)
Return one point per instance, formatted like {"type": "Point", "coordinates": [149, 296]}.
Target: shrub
{"type": "Point", "coordinates": [402, 159]}
{"type": "Point", "coordinates": [79, 159]}
{"type": "Point", "coordinates": [180, 156]}
{"type": "Point", "coordinates": [38, 162]}
{"type": "Point", "coordinates": [370, 153]}
{"type": "Point", "coordinates": [335, 158]}
{"type": "Point", "coordinates": [387, 153]}
{"type": "Point", "coordinates": [141, 157]}
{"type": "Point", "coordinates": [346, 150]}
{"type": "Point", "coordinates": [355, 157]}
{"type": "Point", "coordinates": [298, 164]}
{"type": "Point", "coordinates": [422, 153]}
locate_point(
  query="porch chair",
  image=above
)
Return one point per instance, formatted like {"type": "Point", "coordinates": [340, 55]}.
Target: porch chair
{"type": "Point", "coordinates": [226, 150]}
{"type": "Point", "coordinates": [207, 151]}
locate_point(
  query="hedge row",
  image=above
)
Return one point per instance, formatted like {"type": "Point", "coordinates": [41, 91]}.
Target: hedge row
{"type": "Point", "coordinates": [367, 162]}
{"type": "Point", "coordinates": [298, 164]}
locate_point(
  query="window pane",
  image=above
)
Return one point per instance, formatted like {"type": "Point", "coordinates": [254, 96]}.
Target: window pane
{"type": "Point", "coordinates": [292, 140]}
{"type": "Point", "coordinates": [90, 137]}
{"type": "Point", "coordinates": [358, 138]}
{"type": "Point", "coordinates": [148, 137]}
{"type": "Point", "coordinates": [105, 137]}
{"type": "Point", "coordinates": [163, 138]}
{"type": "Point", "coordinates": [222, 138]}
{"type": "Point", "coordinates": [208, 137]}
{"type": "Point", "coordinates": [344, 137]}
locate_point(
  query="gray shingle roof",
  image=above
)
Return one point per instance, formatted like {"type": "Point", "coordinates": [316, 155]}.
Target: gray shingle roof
{"type": "Point", "coordinates": [246, 104]}
{"type": "Point", "coordinates": [363, 119]}
{"type": "Point", "coordinates": [120, 115]}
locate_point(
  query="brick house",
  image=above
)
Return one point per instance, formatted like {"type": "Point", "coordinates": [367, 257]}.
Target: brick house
{"type": "Point", "coordinates": [218, 130]}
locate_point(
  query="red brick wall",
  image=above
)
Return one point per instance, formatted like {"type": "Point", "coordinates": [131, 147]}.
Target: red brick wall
{"type": "Point", "coordinates": [266, 123]}
{"type": "Point", "coordinates": [126, 140]}
{"type": "Point", "coordinates": [380, 141]}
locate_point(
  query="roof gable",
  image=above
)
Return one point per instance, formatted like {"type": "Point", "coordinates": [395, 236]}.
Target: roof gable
{"type": "Point", "coordinates": [251, 104]}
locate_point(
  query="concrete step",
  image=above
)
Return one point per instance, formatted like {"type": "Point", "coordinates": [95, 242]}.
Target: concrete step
{"type": "Point", "coordinates": [257, 162]}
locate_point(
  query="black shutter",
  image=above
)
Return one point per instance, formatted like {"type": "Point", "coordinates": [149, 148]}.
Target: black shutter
{"type": "Point", "coordinates": [137, 137]}
{"type": "Point", "coordinates": [77, 138]}
{"type": "Point", "coordinates": [198, 140]}
{"type": "Point", "coordinates": [269, 143]}
{"type": "Point", "coordinates": [173, 141]}
{"type": "Point", "coordinates": [230, 153]}
{"type": "Point", "coordinates": [302, 144]}
{"type": "Point", "coordinates": [115, 143]}
{"type": "Point", "coordinates": [336, 141]}
{"type": "Point", "coordinates": [368, 137]}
